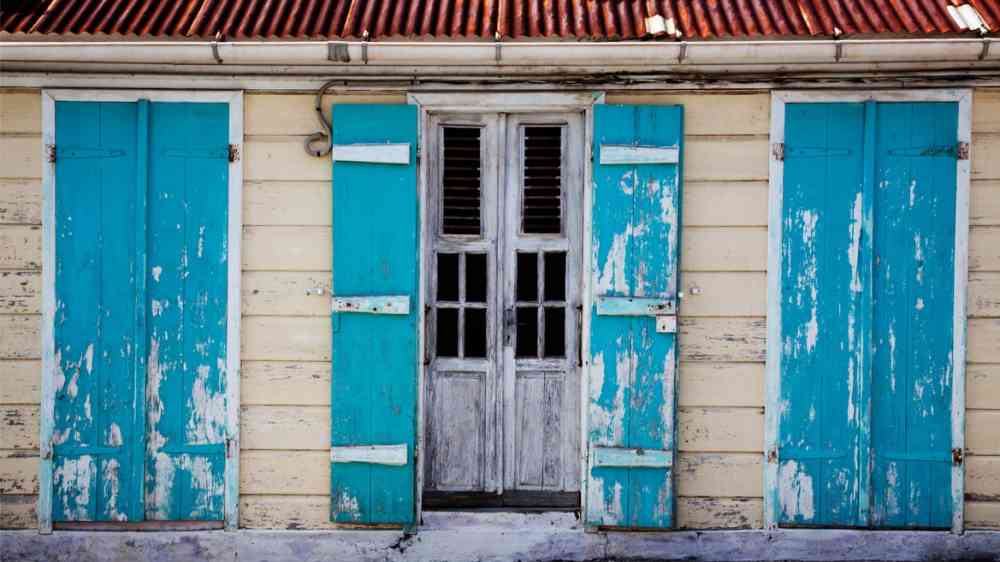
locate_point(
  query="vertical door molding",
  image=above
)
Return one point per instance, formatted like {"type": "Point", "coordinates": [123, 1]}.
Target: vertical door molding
{"type": "Point", "coordinates": [234, 99]}
{"type": "Point", "coordinates": [779, 99]}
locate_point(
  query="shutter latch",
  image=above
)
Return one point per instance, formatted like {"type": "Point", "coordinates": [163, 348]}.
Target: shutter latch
{"type": "Point", "coordinates": [778, 149]}
{"type": "Point", "coordinates": [957, 456]}
{"type": "Point", "coordinates": [50, 153]}
{"type": "Point", "coordinates": [234, 153]}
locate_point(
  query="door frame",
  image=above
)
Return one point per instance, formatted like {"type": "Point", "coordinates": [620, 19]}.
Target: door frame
{"type": "Point", "coordinates": [501, 102]}
{"type": "Point", "coordinates": [774, 298]}
{"type": "Point", "coordinates": [234, 233]}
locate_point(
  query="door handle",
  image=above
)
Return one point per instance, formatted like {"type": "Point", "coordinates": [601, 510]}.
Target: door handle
{"type": "Point", "coordinates": [508, 325]}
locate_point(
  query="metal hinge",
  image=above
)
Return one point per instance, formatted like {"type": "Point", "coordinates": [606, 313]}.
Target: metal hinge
{"type": "Point", "coordinates": [963, 151]}
{"type": "Point", "coordinates": [50, 153]}
{"type": "Point", "coordinates": [234, 152]}
{"type": "Point", "coordinates": [230, 447]}
{"type": "Point", "coordinates": [957, 456]}
{"type": "Point", "coordinates": [772, 455]}
{"type": "Point", "coordinates": [778, 149]}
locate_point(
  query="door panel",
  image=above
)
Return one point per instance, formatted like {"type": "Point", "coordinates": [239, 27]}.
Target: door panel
{"type": "Point", "coordinates": [456, 431]}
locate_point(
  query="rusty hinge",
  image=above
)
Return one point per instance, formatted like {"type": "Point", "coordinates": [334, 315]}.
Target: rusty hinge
{"type": "Point", "coordinates": [50, 153]}
{"type": "Point", "coordinates": [772, 455]}
{"type": "Point", "coordinates": [230, 447]}
{"type": "Point", "coordinates": [234, 153]}
{"type": "Point", "coordinates": [778, 149]}
{"type": "Point", "coordinates": [957, 456]}
{"type": "Point", "coordinates": [962, 152]}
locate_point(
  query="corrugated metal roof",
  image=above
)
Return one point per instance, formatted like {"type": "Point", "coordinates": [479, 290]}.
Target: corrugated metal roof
{"type": "Point", "coordinates": [512, 19]}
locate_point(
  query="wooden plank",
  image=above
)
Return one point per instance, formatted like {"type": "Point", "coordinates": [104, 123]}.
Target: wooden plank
{"type": "Point", "coordinates": [286, 338]}
{"type": "Point", "coordinates": [983, 244]}
{"type": "Point", "coordinates": [720, 513]}
{"type": "Point", "coordinates": [984, 203]}
{"type": "Point", "coordinates": [286, 248]}
{"type": "Point", "coordinates": [286, 428]}
{"type": "Point", "coordinates": [710, 114]}
{"type": "Point", "coordinates": [723, 339]}
{"type": "Point", "coordinates": [20, 381]}
{"type": "Point", "coordinates": [614, 154]}
{"type": "Point", "coordinates": [19, 427]}
{"type": "Point", "coordinates": [18, 472]}
{"type": "Point", "coordinates": [280, 383]}
{"type": "Point", "coordinates": [293, 203]}
{"type": "Point", "coordinates": [982, 432]}
{"type": "Point", "coordinates": [20, 246]}
{"type": "Point", "coordinates": [720, 429]}
{"type": "Point", "coordinates": [18, 512]}
{"type": "Point", "coordinates": [21, 112]}
{"type": "Point", "coordinates": [282, 158]}
{"type": "Point", "coordinates": [377, 304]}
{"type": "Point", "coordinates": [982, 515]}
{"type": "Point", "coordinates": [739, 203]}
{"type": "Point", "coordinates": [982, 387]}
{"type": "Point", "coordinates": [22, 156]}
{"type": "Point", "coordinates": [985, 164]}
{"type": "Point", "coordinates": [370, 153]}
{"type": "Point", "coordinates": [984, 340]}
{"type": "Point", "coordinates": [729, 158]}
{"type": "Point", "coordinates": [984, 294]}
{"type": "Point", "coordinates": [986, 110]}
{"type": "Point", "coordinates": [288, 293]}
{"type": "Point", "coordinates": [724, 249]}
{"type": "Point", "coordinates": [20, 201]}
{"type": "Point", "coordinates": [279, 472]}
{"type": "Point", "coordinates": [721, 384]}
{"type": "Point", "coordinates": [631, 458]}
{"type": "Point", "coordinates": [982, 478]}
{"type": "Point", "coordinates": [719, 475]}
{"type": "Point", "coordinates": [21, 336]}
{"type": "Point", "coordinates": [293, 114]}
{"type": "Point", "coordinates": [724, 294]}
{"type": "Point", "coordinates": [391, 455]}
{"type": "Point", "coordinates": [20, 292]}
{"type": "Point", "coordinates": [285, 512]}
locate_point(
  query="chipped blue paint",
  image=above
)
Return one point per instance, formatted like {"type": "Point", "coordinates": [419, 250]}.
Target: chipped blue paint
{"type": "Point", "coordinates": [866, 315]}
{"type": "Point", "coordinates": [140, 288]}
{"type": "Point", "coordinates": [634, 253]}
{"type": "Point", "coordinates": [374, 372]}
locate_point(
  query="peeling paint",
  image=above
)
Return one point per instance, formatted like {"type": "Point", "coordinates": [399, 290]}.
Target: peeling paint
{"type": "Point", "coordinates": [795, 488]}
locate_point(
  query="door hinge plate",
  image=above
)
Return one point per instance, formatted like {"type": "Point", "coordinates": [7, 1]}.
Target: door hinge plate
{"type": "Point", "coordinates": [50, 153]}
{"type": "Point", "coordinates": [234, 152]}
{"type": "Point", "coordinates": [778, 149]}
{"type": "Point", "coordinates": [957, 456]}
{"type": "Point", "coordinates": [963, 151]}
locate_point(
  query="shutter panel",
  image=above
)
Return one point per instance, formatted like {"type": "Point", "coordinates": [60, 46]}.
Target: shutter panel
{"type": "Point", "coordinates": [632, 334]}
{"type": "Point", "coordinates": [375, 276]}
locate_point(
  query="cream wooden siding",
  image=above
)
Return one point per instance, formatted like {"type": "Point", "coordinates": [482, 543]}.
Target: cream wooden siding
{"type": "Point", "coordinates": [285, 417]}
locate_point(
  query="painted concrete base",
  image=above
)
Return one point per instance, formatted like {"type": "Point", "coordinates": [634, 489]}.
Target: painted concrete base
{"type": "Point", "coordinates": [497, 537]}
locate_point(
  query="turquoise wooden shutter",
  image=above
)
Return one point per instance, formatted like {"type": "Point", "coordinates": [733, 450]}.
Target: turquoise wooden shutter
{"type": "Point", "coordinates": [375, 276]}
{"type": "Point", "coordinates": [633, 283]}
{"type": "Point", "coordinates": [187, 291]}
{"type": "Point", "coordinates": [97, 474]}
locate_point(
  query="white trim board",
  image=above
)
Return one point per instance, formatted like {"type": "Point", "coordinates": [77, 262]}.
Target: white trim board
{"type": "Point", "coordinates": [775, 197]}
{"type": "Point", "coordinates": [235, 101]}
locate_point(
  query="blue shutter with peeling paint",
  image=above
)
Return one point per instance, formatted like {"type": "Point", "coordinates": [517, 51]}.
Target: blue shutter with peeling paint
{"type": "Point", "coordinates": [867, 273]}
{"type": "Point", "coordinates": [374, 356]}
{"type": "Point", "coordinates": [633, 283]}
{"type": "Point", "coordinates": [97, 476]}
{"type": "Point", "coordinates": [913, 323]}
{"type": "Point", "coordinates": [187, 291]}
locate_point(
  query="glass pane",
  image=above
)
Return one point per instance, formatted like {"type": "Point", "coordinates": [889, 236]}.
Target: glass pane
{"type": "Point", "coordinates": [527, 277]}
{"type": "Point", "coordinates": [527, 332]}
{"type": "Point", "coordinates": [555, 332]}
{"type": "Point", "coordinates": [555, 276]}
{"type": "Point", "coordinates": [475, 332]}
{"type": "Point", "coordinates": [476, 280]}
{"type": "Point", "coordinates": [542, 197]}
{"type": "Point", "coordinates": [447, 277]}
{"type": "Point", "coordinates": [461, 181]}
{"type": "Point", "coordinates": [447, 332]}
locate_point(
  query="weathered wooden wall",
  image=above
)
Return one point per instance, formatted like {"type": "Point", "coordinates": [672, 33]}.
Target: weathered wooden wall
{"type": "Point", "coordinates": [286, 332]}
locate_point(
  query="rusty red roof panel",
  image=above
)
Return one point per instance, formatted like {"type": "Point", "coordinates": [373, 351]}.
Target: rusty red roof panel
{"type": "Point", "coordinates": [511, 19]}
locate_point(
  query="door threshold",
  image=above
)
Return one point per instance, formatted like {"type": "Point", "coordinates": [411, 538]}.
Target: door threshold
{"type": "Point", "coordinates": [142, 526]}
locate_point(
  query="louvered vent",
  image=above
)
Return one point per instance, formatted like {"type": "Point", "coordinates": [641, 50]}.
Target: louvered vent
{"type": "Point", "coordinates": [461, 181]}
{"type": "Point", "coordinates": [542, 201]}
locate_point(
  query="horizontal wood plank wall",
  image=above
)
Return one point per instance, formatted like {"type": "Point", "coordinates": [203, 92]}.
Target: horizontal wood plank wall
{"type": "Point", "coordinates": [20, 304]}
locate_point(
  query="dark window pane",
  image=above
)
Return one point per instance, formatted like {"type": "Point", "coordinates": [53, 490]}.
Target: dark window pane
{"type": "Point", "coordinates": [447, 277]}
{"type": "Point", "coordinates": [461, 181]}
{"type": "Point", "coordinates": [475, 332]}
{"type": "Point", "coordinates": [542, 196]}
{"type": "Point", "coordinates": [555, 332]}
{"type": "Point", "coordinates": [555, 276]}
{"type": "Point", "coordinates": [527, 332]}
{"type": "Point", "coordinates": [447, 332]}
{"type": "Point", "coordinates": [527, 277]}
{"type": "Point", "coordinates": [476, 282]}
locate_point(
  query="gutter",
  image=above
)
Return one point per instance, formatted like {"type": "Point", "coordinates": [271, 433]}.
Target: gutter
{"type": "Point", "coordinates": [957, 53]}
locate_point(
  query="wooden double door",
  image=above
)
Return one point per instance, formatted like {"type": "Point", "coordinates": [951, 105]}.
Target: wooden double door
{"type": "Point", "coordinates": [503, 310]}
